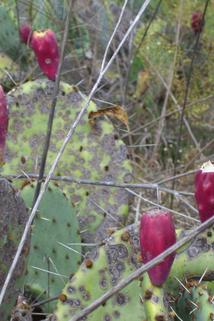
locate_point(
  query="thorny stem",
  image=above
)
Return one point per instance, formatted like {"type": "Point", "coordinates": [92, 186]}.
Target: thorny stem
{"type": "Point", "coordinates": [66, 140]}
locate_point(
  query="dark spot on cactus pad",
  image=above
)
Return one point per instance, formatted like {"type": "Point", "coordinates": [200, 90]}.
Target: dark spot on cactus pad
{"type": "Point", "coordinates": [209, 234]}
{"type": "Point", "coordinates": [86, 296]}
{"type": "Point", "coordinates": [81, 148]}
{"type": "Point", "coordinates": [82, 288]}
{"type": "Point", "coordinates": [148, 294]}
{"type": "Point", "coordinates": [115, 252]}
{"type": "Point", "coordinates": [67, 257]}
{"type": "Point", "coordinates": [116, 314]}
{"type": "Point", "coordinates": [35, 247]}
{"type": "Point", "coordinates": [54, 220]}
{"type": "Point", "coordinates": [68, 224]}
{"type": "Point", "coordinates": [106, 168]}
{"type": "Point", "coordinates": [77, 303]}
{"type": "Point", "coordinates": [88, 263]}
{"type": "Point", "coordinates": [155, 298]}
{"type": "Point", "coordinates": [63, 93]}
{"type": "Point", "coordinates": [71, 289]}
{"type": "Point", "coordinates": [54, 251]}
{"type": "Point", "coordinates": [87, 193]}
{"type": "Point", "coordinates": [103, 283]}
{"type": "Point", "coordinates": [121, 299]}
{"type": "Point", "coordinates": [199, 245]}
{"type": "Point", "coordinates": [107, 317]}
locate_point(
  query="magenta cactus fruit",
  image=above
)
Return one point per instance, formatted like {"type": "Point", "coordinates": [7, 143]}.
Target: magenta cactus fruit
{"type": "Point", "coordinates": [197, 22]}
{"type": "Point", "coordinates": [4, 117]}
{"type": "Point", "coordinates": [25, 32]}
{"type": "Point", "coordinates": [157, 233]}
{"type": "Point", "coordinates": [204, 191]}
{"type": "Point", "coordinates": [44, 45]}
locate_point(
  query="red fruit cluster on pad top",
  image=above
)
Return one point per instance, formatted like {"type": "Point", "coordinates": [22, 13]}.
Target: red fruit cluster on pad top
{"type": "Point", "coordinates": [204, 191]}
{"type": "Point", "coordinates": [44, 45]}
{"type": "Point", "coordinates": [197, 22]}
{"type": "Point", "coordinates": [4, 118]}
{"type": "Point", "coordinates": [157, 233]}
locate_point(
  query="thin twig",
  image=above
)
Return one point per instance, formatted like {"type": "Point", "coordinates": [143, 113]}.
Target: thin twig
{"type": "Point", "coordinates": [65, 142]}
{"type": "Point", "coordinates": [136, 274]}
{"type": "Point", "coordinates": [82, 181]}
{"type": "Point", "coordinates": [161, 206]}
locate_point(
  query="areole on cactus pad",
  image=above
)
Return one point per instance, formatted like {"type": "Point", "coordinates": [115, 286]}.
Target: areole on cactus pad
{"type": "Point", "coordinates": [157, 233]}
{"type": "Point", "coordinates": [204, 191]}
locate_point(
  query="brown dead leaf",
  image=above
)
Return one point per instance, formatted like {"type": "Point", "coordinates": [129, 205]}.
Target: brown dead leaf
{"type": "Point", "coordinates": [117, 112]}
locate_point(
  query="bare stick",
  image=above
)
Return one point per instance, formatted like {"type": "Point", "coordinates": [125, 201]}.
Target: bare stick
{"type": "Point", "coordinates": [136, 274]}
{"type": "Point", "coordinates": [82, 181]}
{"type": "Point", "coordinates": [66, 140]}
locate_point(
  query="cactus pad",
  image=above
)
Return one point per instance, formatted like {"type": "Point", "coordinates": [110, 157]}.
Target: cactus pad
{"type": "Point", "coordinates": [95, 153]}
{"type": "Point", "coordinates": [55, 224]}
{"type": "Point", "coordinates": [117, 258]}
{"type": "Point", "coordinates": [13, 216]}
{"type": "Point", "coordinates": [100, 271]}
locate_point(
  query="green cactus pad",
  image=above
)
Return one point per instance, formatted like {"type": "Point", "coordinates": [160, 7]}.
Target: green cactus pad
{"type": "Point", "coordinates": [9, 38]}
{"type": "Point", "coordinates": [196, 303]}
{"type": "Point", "coordinates": [55, 224]}
{"type": "Point", "coordinates": [155, 302]}
{"type": "Point", "coordinates": [101, 270]}
{"type": "Point", "coordinates": [194, 260]}
{"type": "Point", "coordinates": [95, 153]}
{"type": "Point", "coordinates": [118, 257]}
{"type": "Point", "coordinates": [13, 216]}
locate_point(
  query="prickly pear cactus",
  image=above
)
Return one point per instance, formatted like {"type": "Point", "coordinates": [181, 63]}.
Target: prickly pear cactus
{"type": "Point", "coordinates": [9, 39]}
{"type": "Point", "coordinates": [193, 260]}
{"type": "Point", "coordinates": [13, 216]}
{"type": "Point", "coordinates": [99, 272]}
{"type": "Point", "coordinates": [196, 303]}
{"type": "Point", "coordinates": [113, 261]}
{"type": "Point", "coordinates": [95, 153]}
{"type": "Point", "coordinates": [50, 263]}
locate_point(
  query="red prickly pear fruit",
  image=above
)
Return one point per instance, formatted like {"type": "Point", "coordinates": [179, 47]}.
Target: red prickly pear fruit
{"type": "Point", "coordinates": [44, 45]}
{"type": "Point", "coordinates": [197, 22]}
{"type": "Point", "coordinates": [157, 233]}
{"type": "Point", "coordinates": [204, 191]}
{"type": "Point", "coordinates": [25, 32]}
{"type": "Point", "coordinates": [4, 117]}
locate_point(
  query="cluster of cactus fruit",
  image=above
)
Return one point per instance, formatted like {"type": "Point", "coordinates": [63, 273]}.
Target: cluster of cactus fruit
{"type": "Point", "coordinates": [57, 265]}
